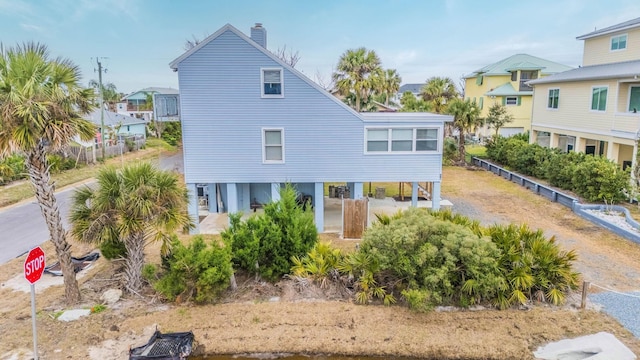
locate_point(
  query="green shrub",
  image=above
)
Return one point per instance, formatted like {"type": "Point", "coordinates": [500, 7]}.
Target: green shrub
{"type": "Point", "coordinates": [265, 244]}
{"type": "Point", "coordinates": [58, 163]}
{"type": "Point", "coordinates": [113, 250]}
{"type": "Point", "coordinates": [12, 168]}
{"type": "Point", "coordinates": [449, 151]}
{"type": "Point", "coordinates": [599, 179]}
{"type": "Point", "coordinates": [534, 267]}
{"type": "Point", "coordinates": [198, 271]}
{"type": "Point", "coordinates": [561, 168]}
{"type": "Point", "coordinates": [419, 251]}
{"type": "Point", "coordinates": [319, 264]}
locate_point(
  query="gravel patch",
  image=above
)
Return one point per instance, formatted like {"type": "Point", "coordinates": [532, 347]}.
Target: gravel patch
{"type": "Point", "coordinates": [613, 217]}
{"type": "Point", "coordinates": [624, 307]}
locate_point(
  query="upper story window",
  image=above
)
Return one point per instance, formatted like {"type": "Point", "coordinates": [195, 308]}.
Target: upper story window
{"type": "Point", "coordinates": [619, 42]}
{"type": "Point", "coordinates": [511, 100]}
{"type": "Point", "coordinates": [514, 76]}
{"type": "Point", "coordinates": [385, 140]}
{"type": "Point", "coordinates": [272, 83]}
{"type": "Point", "coordinates": [554, 98]}
{"type": "Point", "coordinates": [599, 98]}
{"type": "Point", "coordinates": [273, 146]}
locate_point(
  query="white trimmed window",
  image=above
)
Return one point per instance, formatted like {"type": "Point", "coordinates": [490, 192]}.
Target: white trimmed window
{"type": "Point", "coordinates": [554, 98]}
{"type": "Point", "coordinates": [273, 146]}
{"type": "Point", "coordinates": [599, 98]}
{"type": "Point", "coordinates": [511, 100]}
{"type": "Point", "coordinates": [271, 81]}
{"type": "Point", "coordinates": [618, 42]}
{"type": "Point", "coordinates": [406, 140]}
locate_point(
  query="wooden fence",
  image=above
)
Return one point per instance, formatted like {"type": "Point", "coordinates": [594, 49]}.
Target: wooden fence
{"type": "Point", "coordinates": [355, 216]}
{"type": "Point", "coordinates": [91, 154]}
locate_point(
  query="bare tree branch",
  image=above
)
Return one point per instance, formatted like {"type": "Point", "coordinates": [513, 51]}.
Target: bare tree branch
{"type": "Point", "coordinates": [290, 57]}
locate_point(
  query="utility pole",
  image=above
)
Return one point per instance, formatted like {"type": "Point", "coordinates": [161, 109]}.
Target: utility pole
{"type": "Point", "coordinates": [101, 106]}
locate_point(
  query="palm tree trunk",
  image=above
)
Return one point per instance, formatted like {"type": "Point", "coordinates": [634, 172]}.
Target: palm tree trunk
{"type": "Point", "coordinates": [134, 262]}
{"type": "Point", "coordinates": [461, 149]}
{"type": "Point", "coordinates": [45, 194]}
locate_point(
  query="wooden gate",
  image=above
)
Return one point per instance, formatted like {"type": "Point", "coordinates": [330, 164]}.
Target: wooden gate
{"type": "Point", "coordinates": [355, 216]}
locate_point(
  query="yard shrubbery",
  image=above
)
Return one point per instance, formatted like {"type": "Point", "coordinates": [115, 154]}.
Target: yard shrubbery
{"type": "Point", "coordinates": [265, 244]}
{"type": "Point", "coordinates": [438, 258]}
{"type": "Point", "coordinates": [594, 178]}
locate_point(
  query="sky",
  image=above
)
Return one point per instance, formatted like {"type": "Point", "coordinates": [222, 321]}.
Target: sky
{"type": "Point", "coordinates": [135, 40]}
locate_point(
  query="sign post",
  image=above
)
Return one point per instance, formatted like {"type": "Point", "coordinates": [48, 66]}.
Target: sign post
{"type": "Point", "coordinates": [33, 268]}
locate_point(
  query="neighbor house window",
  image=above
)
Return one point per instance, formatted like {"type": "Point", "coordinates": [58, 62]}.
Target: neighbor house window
{"type": "Point", "coordinates": [271, 80]}
{"type": "Point", "coordinates": [599, 98]}
{"type": "Point", "coordinates": [634, 99]}
{"type": "Point", "coordinates": [401, 140]}
{"type": "Point", "coordinates": [273, 145]}
{"type": "Point", "coordinates": [511, 100]}
{"type": "Point", "coordinates": [554, 97]}
{"type": "Point", "coordinates": [619, 42]}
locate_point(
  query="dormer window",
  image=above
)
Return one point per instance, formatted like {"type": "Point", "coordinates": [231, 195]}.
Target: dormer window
{"type": "Point", "coordinates": [618, 42]}
{"type": "Point", "coordinates": [271, 81]}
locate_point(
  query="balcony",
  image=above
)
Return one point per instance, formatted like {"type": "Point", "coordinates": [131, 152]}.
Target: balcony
{"type": "Point", "coordinates": [523, 86]}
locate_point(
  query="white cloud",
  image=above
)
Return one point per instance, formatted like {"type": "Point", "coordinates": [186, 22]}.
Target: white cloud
{"type": "Point", "coordinates": [31, 27]}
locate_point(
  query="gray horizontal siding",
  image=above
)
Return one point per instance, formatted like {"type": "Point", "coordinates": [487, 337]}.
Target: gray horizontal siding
{"type": "Point", "coordinates": [223, 116]}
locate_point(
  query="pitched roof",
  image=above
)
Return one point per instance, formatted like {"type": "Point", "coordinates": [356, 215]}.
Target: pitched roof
{"type": "Point", "coordinates": [159, 90]}
{"type": "Point", "coordinates": [520, 62]}
{"type": "Point", "coordinates": [618, 27]}
{"type": "Point", "coordinates": [507, 90]}
{"type": "Point", "coordinates": [112, 119]}
{"type": "Point", "coordinates": [301, 76]}
{"type": "Point", "coordinates": [594, 72]}
{"type": "Point", "coordinates": [414, 88]}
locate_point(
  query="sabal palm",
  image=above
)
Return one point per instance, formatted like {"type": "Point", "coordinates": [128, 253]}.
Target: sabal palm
{"type": "Point", "coordinates": [353, 72]}
{"type": "Point", "coordinates": [466, 117]}
{"type": "Point", "coordinates": [109, 92]}
{"type": "Point", "coordinates": [134, 205]}
{"type": "Point", "coordinates": [439, 91]}
{"type": "Point", "coordinates": [41, 109]}
{"type": "Point", "coordinates": [390, 84]}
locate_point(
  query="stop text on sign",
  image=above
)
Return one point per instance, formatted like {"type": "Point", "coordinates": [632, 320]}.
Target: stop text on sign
{"type": "Point", "coordinates": [34, 265]}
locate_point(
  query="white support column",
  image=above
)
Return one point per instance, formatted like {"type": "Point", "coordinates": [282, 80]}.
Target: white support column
{"type": "Point", "coordinates": [192, 208]}
{"type": "Point", "coordinates": [213, 197]}
{"type": "Point", "coordinates": [318, 206]}
{"type": "Point", "coordinates": [553, 140]}
{"type": "Point", "coordinates": [275, 192]}
{"type": "Point", "coordinates": [579, 146]}
{"type": "Point", "coordinates": [232, 198]}
{"type": "Point", "coordinates": [414, 194]}
{"type": "Point", "coordinates": [357, 190]}
{"type": "Point", "coordinates": [435, 196]}
{"type": "Point", "coordinates": [613, 149]}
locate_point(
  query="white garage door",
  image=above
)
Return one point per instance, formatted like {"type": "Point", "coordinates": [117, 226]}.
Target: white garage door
{"type": "Point", "coordinates": [506, 132]}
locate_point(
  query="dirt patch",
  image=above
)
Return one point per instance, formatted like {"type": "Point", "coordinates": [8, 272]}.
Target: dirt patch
{"type": "Point", "coordinates": [295, 318]}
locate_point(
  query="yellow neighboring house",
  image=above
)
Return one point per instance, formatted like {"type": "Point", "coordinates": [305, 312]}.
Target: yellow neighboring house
{"type": "Point", "coordinates": [504, 82]}
{"type": "Point", "coordinates": [595, 108]}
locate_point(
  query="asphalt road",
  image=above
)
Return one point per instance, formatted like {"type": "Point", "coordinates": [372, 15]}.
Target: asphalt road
{"type": "Point", "coordinates": [22, 227]}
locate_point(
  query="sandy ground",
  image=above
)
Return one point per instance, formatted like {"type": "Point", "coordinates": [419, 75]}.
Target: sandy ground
{"type": "Point", "coordinates": [264, 318]}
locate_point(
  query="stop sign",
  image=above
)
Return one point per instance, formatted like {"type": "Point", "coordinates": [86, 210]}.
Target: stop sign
{"type": "Point", "coordinates": [34, 265]}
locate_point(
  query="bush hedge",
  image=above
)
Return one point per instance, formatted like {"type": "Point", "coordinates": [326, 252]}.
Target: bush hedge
{"type": "Point", "coordinates": [594, 178]}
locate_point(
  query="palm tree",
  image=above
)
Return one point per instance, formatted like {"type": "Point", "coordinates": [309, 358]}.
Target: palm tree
{"type": "Point", "coordinates": [390, 84]}
{"type": "Point", "coordinates": [41, 108]}
{"type": "Point", "coordinates": [110, 93]}
{"type": "Point", "coordinates": [353, 74]}
{"type": "Point", "coordinates": [466, 118]}
{"type": "Point", "coordinates": [439, 91]}
{"type": "Point", "coordinates": [134, 205]}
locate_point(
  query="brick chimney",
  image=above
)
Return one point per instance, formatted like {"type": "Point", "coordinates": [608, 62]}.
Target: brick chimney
{"type": "Point", "coordinates": [259, 35]}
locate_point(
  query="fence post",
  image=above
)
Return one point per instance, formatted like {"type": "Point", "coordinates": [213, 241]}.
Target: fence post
{"type": "Point", "coordinates": [585, 290]}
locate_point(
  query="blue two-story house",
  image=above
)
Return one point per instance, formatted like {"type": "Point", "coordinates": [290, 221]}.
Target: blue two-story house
{"type": "Point", "coordinates": [251, 123]}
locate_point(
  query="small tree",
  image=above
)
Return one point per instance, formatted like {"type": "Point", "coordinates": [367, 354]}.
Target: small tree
{"type": "Point", "coordinates": [498, 117]}
{"type": "Point", "coordinates": [265, 244]}
{"type": "Point", "coordinates": [134, 205]}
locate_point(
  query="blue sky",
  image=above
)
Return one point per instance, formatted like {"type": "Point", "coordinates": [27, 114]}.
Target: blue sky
{"type": "Point", "coordinates": [419, 38]}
